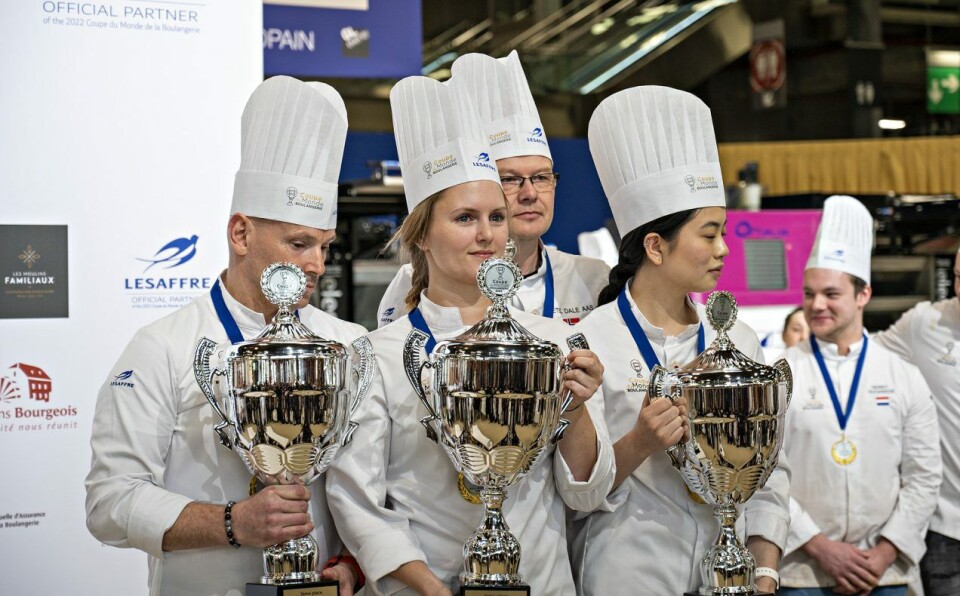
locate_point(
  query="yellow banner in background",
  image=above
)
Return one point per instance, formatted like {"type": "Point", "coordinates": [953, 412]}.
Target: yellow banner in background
{"type": "Point", "coordinates": [923, 165]}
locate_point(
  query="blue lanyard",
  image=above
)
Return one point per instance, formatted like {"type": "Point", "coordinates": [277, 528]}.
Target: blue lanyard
{"type": "Point", "coordinates": [416, 319]}
{"type": "Point", "coordinates": [640, 338]}
{"type": "Point", "coordinates": [226, 319]}
{"type": "Point", "coordinates": [842, 417]}
{"type": "Point", "coordinates": [548, 288]}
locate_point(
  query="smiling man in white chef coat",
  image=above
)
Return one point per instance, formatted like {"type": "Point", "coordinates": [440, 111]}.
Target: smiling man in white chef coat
{"type": "Point", "coordinates": [861, 432]}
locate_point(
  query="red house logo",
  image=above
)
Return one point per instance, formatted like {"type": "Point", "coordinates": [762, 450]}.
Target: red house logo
{"type": "Point", "coordinates": [25, 380]}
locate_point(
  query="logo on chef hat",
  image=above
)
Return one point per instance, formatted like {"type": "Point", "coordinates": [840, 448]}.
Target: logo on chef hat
{"type": "Point", "coordinates": [536, 136]}
{"type": "Point", "coordinates": [482, 160]}
{"type": "Point", "coordinates": [838, 255]}
{"type": "Point", "coordinates": [291, 195]}
{"type": "Point", "coordinates": [691, 182]}
{"type": "Point", "coordinates": [428, 169]}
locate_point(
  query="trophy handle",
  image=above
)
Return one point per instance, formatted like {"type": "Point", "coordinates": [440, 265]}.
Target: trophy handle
{"type": "Point", "coordinates": [414, 368]}
{"type": "Point", "coordinates": [785, 375]}
{"type": "Point", "coordinates": [657, 389]}
{"type": "Point", "coordinates": [577, 341]}
{"type": "Point", "coordinates": [364, 370]}
{"type": "Point", "coordinates": [204, 375]}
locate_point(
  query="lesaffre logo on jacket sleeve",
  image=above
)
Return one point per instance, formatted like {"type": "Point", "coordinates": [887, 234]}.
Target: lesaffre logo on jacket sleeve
{"type": "Point", "coordinates": [27, 402]}
{"type": "Point", "coordinates": [165, 279]}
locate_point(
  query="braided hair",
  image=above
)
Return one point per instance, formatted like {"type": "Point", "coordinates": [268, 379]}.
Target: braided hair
{"type": "Point", "coordinates": [633, 253]}
{"type": "Point", "coordinates": [408, 236]}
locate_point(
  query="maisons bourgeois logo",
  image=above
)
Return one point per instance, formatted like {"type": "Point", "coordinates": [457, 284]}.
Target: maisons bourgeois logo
{"type": "Point", "coordinates": [26, 392]}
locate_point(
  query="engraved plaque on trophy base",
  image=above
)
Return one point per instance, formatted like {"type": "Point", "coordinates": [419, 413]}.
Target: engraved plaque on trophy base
{"type": "Point", "coordinates": [323, 588]}
{"type": "Point", "coordinates": [754, 594]}
{"type": "Point", "coordinates": [475, 590]}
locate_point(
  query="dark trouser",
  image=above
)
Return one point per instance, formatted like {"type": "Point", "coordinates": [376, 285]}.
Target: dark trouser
{"type": "Point", "coordinates": [940, 567]}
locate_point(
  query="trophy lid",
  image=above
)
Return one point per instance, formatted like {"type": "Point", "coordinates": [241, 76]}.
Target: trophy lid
{"type": "Point", "coordinates": [722, 364]}
{"type": "Point", "coordinates": [283, 284]}
{"type": "Point", "coordinates": [498, 335]}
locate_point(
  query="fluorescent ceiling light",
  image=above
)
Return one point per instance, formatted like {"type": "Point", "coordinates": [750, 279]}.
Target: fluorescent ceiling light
{"type": "Point", "coordinates": [887, 124]}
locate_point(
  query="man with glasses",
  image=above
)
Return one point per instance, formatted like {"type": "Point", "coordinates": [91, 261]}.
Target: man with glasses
{"type": "Point", "coordinates": [556, 284]}
{"type": "Point", "coordinates": [928, 336]}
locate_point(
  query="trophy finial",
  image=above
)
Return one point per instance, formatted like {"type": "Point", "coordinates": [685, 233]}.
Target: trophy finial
{"type": "Point", "coordinates": [721, 311]}
{"type": "Point", "coordinates": [283, 284]}
{"type": "Point", "coordinates": [499, 279]}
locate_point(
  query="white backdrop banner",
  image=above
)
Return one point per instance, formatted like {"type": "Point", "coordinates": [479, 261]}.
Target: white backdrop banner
{"type": "Point", "coordinates": [119, 139]}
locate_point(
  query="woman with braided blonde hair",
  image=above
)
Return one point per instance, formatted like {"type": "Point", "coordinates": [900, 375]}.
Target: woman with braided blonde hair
{"type": "Point", "coordinates": [396, 498]}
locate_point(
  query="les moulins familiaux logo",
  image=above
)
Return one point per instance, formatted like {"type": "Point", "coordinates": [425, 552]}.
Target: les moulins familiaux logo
{"type": "Point", "coordinates": [33, 272]}
{"type": "Point", "coordinates": [165, 281]}
{"type": "Point", "coordinates": [28, 403]}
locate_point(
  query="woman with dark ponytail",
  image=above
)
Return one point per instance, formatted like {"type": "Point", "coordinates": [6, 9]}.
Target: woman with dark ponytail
{"type": "Point", "coordinates": [656, 155]}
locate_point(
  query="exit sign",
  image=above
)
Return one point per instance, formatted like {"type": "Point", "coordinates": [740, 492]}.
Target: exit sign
{"type": "Point", "coordinates": [943, 81]}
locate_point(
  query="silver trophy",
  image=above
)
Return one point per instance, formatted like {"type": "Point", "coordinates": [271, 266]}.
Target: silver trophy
{"type": "Point", "coordinates": [286, 409]}
{"type": "Point", "coordinates": [736, 409]}
{"type": "Point", "coordinates": [494, 403]}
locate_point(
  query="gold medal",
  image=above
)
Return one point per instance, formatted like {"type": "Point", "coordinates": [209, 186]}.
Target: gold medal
{"type": "Point", "coordinates": [844, 451]}
{"type": "Point", "coordinates": [465, 491]}
{"type": "Point", "coordinates": [252, 487]}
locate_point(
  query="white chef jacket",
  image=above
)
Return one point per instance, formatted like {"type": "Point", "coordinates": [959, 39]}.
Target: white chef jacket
{"type": "Point", "coordinates": [889, 490]}
{"type": "Point", "coordinates": [155, 451]}
{"type": "Point", "coordinates": [577, 281]}
{"type": "Point", "coordinates": [650, 534]}
{"type": "Point", "coordinates": [928, 336]}
{"type": "Point", "coordinates": [394, 494]}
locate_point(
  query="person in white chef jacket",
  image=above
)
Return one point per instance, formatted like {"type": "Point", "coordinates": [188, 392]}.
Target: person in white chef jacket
{"type": "Point", "coordinates": [394, 495]}
{"type": "Point", "coordinates": [861, 431]}
{"type": "Point", "coordinates": [556, 284]}
{"type": "Point", "coordinates": [655, 151]}
{"type": "Point", "coordinates": [928, 336]}
{"type": "Point", "coordinates": [160, 481]}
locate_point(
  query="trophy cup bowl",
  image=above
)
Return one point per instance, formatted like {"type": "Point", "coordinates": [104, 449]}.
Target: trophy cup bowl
{"type": "Point", "coordinates": [494, 403]}
{"type": "Point", "coordinates": [736, 409]}
{"type": "Point", "coordinates": [285, 409]}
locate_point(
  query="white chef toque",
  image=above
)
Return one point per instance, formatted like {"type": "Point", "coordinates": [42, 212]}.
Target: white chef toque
{"type": "Point", "coordinates": [439, 138]}
{"type": "Point", "coordinates": [844, 239]}
{"type": "Point", "coordinates": [656, 154]}
{"type": "Point", "coordinates": [291, 145]}
{"type": "Point", "coordinates": [501, 94]}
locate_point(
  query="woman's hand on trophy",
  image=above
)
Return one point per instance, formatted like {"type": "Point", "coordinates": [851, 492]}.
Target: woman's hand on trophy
{"type": "Point", "coordinates": [273, 515]}
{"type": "Point", "coordinates": [582, 379]}
{"type": "Point", "coordinates": [662, 423]}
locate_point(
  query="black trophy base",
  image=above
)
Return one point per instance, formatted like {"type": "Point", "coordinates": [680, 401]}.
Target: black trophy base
{"type": "Point", "coordinates": [754, 594]}
{"type": "Point", "coordinates": [474, 590]}
{"type": "Point", "coordinates": [324, 588]}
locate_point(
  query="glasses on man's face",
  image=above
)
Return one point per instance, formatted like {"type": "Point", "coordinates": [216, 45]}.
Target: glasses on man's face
{"type": "Point", "coordinates": [541, 182]}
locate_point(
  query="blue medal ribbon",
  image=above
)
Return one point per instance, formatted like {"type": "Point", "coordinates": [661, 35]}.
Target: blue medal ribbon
{"type": "Point", "coordinates": [223, 313]}
{"type": "Point", "coordinates": [416, 319]}
{"type": "Point", "coordinates": [226, 319]}
{"type": "Point", "coordinates": [842, 417]}
{"type": "Point", "coordinates": [640, 338]}
{"type": "Point", "coordinates": [548, 288]}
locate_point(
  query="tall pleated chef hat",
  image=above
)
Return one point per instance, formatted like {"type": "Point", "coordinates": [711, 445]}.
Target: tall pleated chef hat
{"type": "Point", "coordinates": [439, 138]}
{"type": "Point", "coordinates": [656, 154]}
{"type": "Point", "coordinates": [501, 94]}
{"type": "Point", "coordinates": [844, 239]}
{"type": "Point", "coordinates": [291, 145]}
